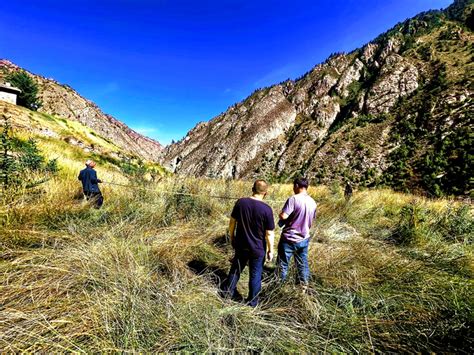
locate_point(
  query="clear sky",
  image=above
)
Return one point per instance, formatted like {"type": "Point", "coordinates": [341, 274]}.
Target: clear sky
{"type": "Point", "coordinates": [161, 66]}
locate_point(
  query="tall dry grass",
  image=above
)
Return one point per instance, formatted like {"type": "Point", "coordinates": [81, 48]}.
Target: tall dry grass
{"type": "Point", "coordinates": [390, 272]}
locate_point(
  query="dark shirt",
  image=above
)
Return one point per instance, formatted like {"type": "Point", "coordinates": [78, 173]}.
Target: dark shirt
{"type": "Point", "coordinates": [253, 219]}
{"type": "Point", "coordinates": [89, 180]}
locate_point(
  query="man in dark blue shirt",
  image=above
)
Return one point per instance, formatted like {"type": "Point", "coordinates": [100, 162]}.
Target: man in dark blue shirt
{"type": "Point", "coordinates": [251, 233]}
{"type": "Point", "coordinates": [90, 187]}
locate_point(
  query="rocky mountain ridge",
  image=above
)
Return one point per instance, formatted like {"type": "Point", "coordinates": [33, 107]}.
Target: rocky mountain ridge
{"type": "Point", "coordinates": [347, 118]}
{"type": "Point", "coordinates": [62, 101]}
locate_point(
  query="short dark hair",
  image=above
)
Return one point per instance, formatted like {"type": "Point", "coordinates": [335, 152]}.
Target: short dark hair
{"type": "Point", "coordinates": [259, 187]}
{"type": "Point", "coordinates": [301, 182]}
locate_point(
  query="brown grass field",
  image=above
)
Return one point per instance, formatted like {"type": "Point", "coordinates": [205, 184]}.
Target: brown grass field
{"type": "Point", "coordinates": [391, 272]}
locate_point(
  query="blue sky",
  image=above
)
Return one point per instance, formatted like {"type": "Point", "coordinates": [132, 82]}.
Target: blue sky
{"type": "Point", "coordinates": [162, 66]}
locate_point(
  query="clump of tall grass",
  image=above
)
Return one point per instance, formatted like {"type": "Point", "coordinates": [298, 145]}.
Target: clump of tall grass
{"type": "Point", "coordinates": [143, 273]}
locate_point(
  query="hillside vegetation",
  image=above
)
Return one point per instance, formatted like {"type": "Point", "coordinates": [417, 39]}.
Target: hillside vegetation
{"type": "Point", "coordinates": [70, 144]}
{"type": "Point", "coordinates": [396, 112]}
{"type": "Point", "coordinates": [55, 99]}
{"type": "Point", "coordinates": [391, 271]}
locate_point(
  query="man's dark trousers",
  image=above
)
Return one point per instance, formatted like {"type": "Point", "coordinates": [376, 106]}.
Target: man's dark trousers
{"type": "Point", "coordinates": [241, 259]}
{"type": "Point", "coordinates": [95, 197]}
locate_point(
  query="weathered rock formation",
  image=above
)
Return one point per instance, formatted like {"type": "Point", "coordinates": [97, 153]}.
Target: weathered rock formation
{"type": "Point", "coordinates": [343, 119]}
{"type": "Point", "coordinates": [62, 101]}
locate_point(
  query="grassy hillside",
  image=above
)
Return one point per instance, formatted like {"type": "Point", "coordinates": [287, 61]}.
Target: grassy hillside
{"type": "Point", "coordinates": [391, 272]}
{"type": "Point", "coordinates": [61, 100]}
{"type": "Point", "coordinates": [71, 143]}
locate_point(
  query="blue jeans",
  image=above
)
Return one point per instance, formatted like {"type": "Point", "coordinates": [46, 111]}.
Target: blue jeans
{"type": "Point", "coordinates": [255, 281]}
{"type": "Point", "coordinates": [300, 250]}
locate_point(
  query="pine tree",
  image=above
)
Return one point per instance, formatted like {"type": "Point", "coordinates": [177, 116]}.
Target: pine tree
{"type": "Point", "coordinates": [29, 89]}
{"type": "Point", "coordinates": [8, 166]}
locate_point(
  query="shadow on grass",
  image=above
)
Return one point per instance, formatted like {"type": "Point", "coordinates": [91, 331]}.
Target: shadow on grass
{"type": "Point", "coordinates": [216, 274]}
{"type": "Point", "coordinates": [221, 242]}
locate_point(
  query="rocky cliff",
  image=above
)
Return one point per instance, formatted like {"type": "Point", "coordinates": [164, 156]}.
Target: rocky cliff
{"type": "Point", "coordinates": [397, 112]}
{"type": "Point", "coordinates": [62, 101]}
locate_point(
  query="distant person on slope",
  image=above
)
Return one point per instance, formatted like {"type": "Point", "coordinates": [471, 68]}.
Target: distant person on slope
{"type": "Point", "coordinates": [348, 191]}
{"type": "Point", "coordinates": [251, 233]}
{"type": "Point", "coordinates": [296, 218]}
{"type": "Point", "coordinates": [90, 187]}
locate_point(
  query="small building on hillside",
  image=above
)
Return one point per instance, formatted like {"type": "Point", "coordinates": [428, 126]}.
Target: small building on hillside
{"type": "Point", "coordinates": [8, 93]}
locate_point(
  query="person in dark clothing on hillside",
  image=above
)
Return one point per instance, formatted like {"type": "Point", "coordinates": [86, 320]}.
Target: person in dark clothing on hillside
{"type": "Point", "coordinates": [348, 191]}
{"type": "Point", "coordinates": [251, 233]}
{"type": "Point", "coordinates": [90, 187]}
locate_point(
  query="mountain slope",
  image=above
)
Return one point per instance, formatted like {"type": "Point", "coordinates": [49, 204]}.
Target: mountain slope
{"type": "Point", "coordinates": [62, 101]}
{"type": "Point", "coordinates": [71, 143]}
{"type": "Point", "coordinates": [379, 114]}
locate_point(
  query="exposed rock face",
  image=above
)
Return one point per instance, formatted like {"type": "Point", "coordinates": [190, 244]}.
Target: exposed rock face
{"type": "Point", "coordinates": [62, 101]}
{"type": "Point", "coordinates": [284, 128]}
{"type": "Point", "coordinates": [338, 121]}
{"type": "Point", "coordinates": [398, 78]}
{"type": "Point", "coordinates": [228, 145]}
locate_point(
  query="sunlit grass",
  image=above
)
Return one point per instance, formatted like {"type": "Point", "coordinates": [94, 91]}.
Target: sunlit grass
{"type": "Point", "coordinates": [142, 273]}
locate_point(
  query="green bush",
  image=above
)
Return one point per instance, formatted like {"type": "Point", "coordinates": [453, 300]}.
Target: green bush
{"type": "Point", "coordinates": [8, 165]}
{"type": "Point", "coordinates": [20, 160]}
{"type": "Point", "coordinates": [456, 225]}
{"type": "Point", "coordinates": [410, 227]}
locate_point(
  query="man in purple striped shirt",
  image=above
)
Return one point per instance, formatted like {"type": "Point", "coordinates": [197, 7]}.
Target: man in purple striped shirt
{"type": "Point", "coordinates": [296, 218]}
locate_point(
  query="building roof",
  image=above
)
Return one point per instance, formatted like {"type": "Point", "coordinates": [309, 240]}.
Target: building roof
{"type": "Point", "coordinates": [7, 87]}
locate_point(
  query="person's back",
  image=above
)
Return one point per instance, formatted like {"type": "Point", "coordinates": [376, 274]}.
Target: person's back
{"type": "Point", "coordinates": [88, 178]}
{"type": "Point", "coordinates": [252, 222]}
{"type": "Point", "coordinates": [348, 191]}
{"type": "Point", "coordinates": [90, 184]}
{"type": "Point", "coordinates": [251, 233]}
{"type": "Point", "coordinates": [296, 219]}
{"type": "Point", "coordinates": [301, 210]}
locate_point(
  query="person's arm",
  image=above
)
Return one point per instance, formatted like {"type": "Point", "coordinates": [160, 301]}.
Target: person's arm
{"type": "Point", "coordinates": [80, 176]}
{"type": "Point", "coordinates": [270, 238]}
{"type": "Point", "coordinates": [286, 211]}
{"type": "Point", "coordinates": [232, 224]}
{"type": "Point", "coordinates": [94, 179]}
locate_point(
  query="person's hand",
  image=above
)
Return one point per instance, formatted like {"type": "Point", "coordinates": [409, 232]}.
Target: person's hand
{"type": "Point", "coordinates": [232, 241]}
{"type": "Point", "coordinates": [269, 256]}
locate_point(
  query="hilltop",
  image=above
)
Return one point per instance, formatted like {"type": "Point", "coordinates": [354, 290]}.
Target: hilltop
{"type": "Point", "coordinates": [396, 112]}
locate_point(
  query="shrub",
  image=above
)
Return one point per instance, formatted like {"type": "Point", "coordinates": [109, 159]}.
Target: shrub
{"type": "Point", "coordinates": [8, 165]}
{"type": "Point", "coordinates": [456, 224]}
{"type": "Point", "coordinates": [21, 160]}
{"type": "Point", "coordinates": [409, 229]}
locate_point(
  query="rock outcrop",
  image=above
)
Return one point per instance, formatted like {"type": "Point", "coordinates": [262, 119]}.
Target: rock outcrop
{"type": "Point", "coordinates": [62, 101]}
